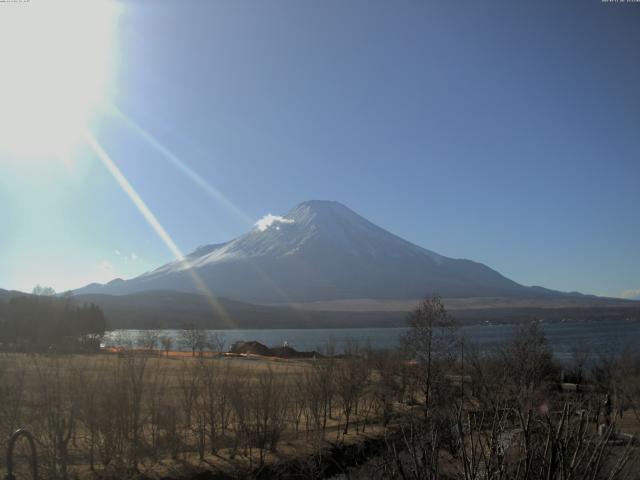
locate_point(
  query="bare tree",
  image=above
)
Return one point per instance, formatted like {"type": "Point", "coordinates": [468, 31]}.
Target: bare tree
{"type": "Point", "coordinates": [217, 342]}
{"type": "Point", "coordinates": [580, 355]}
{"type": "Point", "coordinates": [239, 398]}
{"type": "Point", "coordinates": [352, 376]}
{"type": "Point", "coordinates": [155, 394]}
{"type": "Point", "coordinates": [312, 391]}
{"type": "Point", "coordinates": [431, 342]}
{"type": "Point", "coordinates": [387, 385]}
{"type": "Point", "coordinates": [58, 410]}
{"type": "Point", "coordinates": [617, 372]}
{"type": "Point", "coordinates": [135, 366]}
{"type": "Point", "coordinates": [322, 385]}
{"type": "Point", "coordinates": [268, 411]}
{"type": "Point", "coordinates": [88, 409]}
{"type": "Point", "coordinates": [528, 363]}
{"type": "Point", "coordinates": [209, 399]}
{"type": "Point", "coordinates": [112, 416]}
{"type": "Point", "coordinates": [189, 384]}
{"type": "Point", "coordinates": [149, 340]}
{"type": "Point", "coordinates": [167, 342]}
{"type": "Point", "coordinates": [194, 338]}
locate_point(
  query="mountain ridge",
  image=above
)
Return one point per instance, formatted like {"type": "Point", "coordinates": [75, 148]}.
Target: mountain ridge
{"type": "Point", "coordinates": [172, 309]}
{"type": "Point", "coordinates": [322, 250]}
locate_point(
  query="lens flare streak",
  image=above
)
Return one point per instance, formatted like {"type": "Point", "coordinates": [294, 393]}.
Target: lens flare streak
{"type": "Point", "coordinates": [197, 179]}
{"type": "Point", "coordinates": [154, 223]}
{"type": "Point", "coordinates": [213, 192]}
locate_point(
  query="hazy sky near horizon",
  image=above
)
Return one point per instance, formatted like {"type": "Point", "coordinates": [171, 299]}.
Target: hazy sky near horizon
{"type": "Point", "coordinates": [503, 132]}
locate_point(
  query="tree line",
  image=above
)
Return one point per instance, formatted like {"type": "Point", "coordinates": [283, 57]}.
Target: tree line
{"type": "Point", "coordinates": [45, 321]}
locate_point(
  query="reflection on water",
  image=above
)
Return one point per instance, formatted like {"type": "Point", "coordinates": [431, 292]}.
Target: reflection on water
{"type": "Point", "coordinates": [600, 336]}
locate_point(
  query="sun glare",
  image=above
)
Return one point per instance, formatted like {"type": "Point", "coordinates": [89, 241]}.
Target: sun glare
{"type": "Point", "coordinates": [58, 61]}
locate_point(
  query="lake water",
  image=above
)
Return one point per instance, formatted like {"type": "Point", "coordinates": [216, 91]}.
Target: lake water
{"type": "Point", "coordinates": [562, 337]}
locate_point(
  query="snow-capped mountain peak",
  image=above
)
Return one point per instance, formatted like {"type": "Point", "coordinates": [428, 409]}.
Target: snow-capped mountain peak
{"type": "Point", "coordinates": [321, 250]}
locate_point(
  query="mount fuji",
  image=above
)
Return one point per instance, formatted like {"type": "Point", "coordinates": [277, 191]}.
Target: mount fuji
{"type": "Point", "coordinates": [322, 251]}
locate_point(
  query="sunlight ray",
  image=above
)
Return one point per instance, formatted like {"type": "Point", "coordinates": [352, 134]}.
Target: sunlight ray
{"type": "Point", "coordinates": [186, 170]}
{"type": "Point", "coordinates": [198, 180]}
{"type": "Point", "coordinates": [155, 224]}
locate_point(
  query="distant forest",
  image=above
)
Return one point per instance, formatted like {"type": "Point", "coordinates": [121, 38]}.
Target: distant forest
{"type": "Point", "coordinates": [37, 322]}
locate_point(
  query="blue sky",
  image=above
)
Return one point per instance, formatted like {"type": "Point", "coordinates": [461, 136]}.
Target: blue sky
{"type": "Point", "coordinates": [503, 132]}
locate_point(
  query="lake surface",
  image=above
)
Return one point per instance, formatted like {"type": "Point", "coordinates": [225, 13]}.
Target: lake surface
{"type": "Point", "coordinates": [601, 336]}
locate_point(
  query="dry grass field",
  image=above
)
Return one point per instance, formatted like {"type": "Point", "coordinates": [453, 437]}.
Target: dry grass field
{"type": "Point", "coordinates": [153, 414]}
{"type": "Point", "coordinates": [163, 416]}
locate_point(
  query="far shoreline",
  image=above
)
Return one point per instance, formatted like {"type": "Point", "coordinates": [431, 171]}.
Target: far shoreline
{"type": "Point", "coordinates": [394, 325]}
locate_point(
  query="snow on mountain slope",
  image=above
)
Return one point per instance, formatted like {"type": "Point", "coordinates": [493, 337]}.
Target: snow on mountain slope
{"type": "Point", "coordinates": [311, 222]}
{"type": "Point", "coordinates": [321, 250]}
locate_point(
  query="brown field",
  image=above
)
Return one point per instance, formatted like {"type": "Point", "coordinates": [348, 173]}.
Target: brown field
{"type": "Point", "coordinates": [165, 396]}
{"type": "Point", "coordinates": [152, 415]}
